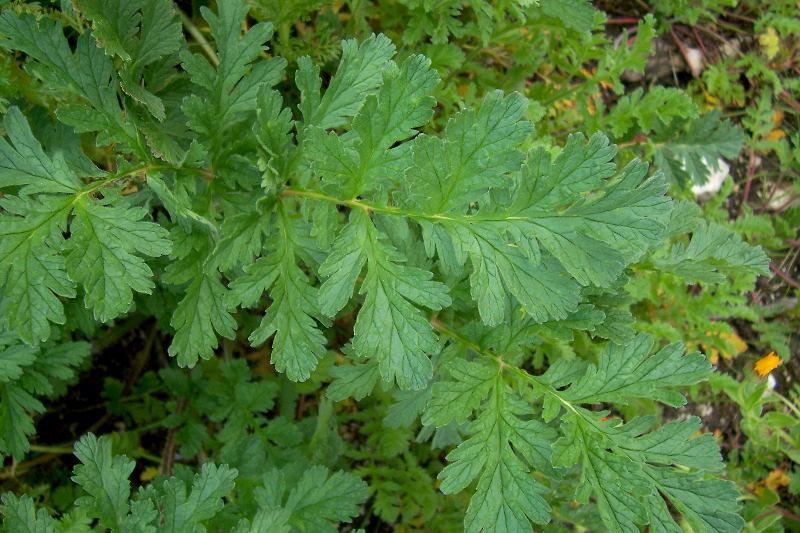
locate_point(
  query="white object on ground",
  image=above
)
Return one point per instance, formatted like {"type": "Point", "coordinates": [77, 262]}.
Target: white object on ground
{"type": "Point", "coordinates": [694, 58]}
{"type": "Point", "coordinates": [715, 180]}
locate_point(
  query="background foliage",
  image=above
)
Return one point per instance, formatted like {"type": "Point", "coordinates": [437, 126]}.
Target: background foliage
{"type": "Point", "coordinates": [278, 266]}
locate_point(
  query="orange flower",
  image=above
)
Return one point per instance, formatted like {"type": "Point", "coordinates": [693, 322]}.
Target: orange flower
{"type": "Point", "coordinates": [764, 366]}
{"type": "Point", "coordinates": [777, 479]}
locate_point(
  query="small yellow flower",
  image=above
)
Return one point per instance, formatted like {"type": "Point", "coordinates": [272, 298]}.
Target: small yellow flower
{"type": "Point", "coordinates": [149, 473]}
{"type": "Point", "coordinates": [770, 43]}
{"type": "Point", "coordinates": [777, 479]}
{"type": "Point", "coordinates": [764, 366]}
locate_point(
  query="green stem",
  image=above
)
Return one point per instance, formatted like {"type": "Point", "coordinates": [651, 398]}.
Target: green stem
{"type": "Point", "coordinates": [61, 450]}
{"type": "Point", "coordinates": [787, 402]}
{"type": "Point", "coordinates": [356, 203]}
{"type": "Point", "coordinates": [200, 38]}
{"type": "Point", "coordinates": [147, 455]}
{"type": "Point", "coordinates": [533, 380]}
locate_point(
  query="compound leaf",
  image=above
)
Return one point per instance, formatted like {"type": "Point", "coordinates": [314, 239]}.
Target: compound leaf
{"type": "Point", "coordinates": [105, 478]}
{"type": "Point", "coordinates": [626, 372]}
{"type": "Point", "coordinates": [688, 154]}
{"type": "Point", "coordinates": [184, 512]}
{"type": "Point", "coordinates": [102, 254]}
{"type": "Point", "coordinates": [87, 73]}
{"type": "Point", "coordinates": [20, 514]}
{"type": "Point", "coordinates": [503, 446]}
{"type": "Point", "coordinates": [203, 313]}
{"type": "Point", "coordinates": [390, 326]}
{"type": "Point", "coordinates": [356, 164]}
{"type": "Point", "coordinates": [716, 254]}
{"type": "Point", "coordinates": [115, 23]}
{"type": "Point", "coordinates": [32, 273]}
{"type": "Point", "coordinates": [293, 314]}
{"type": "Point", "coordinates": [321, 500]}
{"type": "Point", "coordinates": [23, 163]}
{"type": "Point", "coordinates": [359, 73]}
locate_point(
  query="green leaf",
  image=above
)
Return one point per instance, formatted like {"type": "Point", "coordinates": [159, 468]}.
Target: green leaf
{"type": "Point", "coordinates": [115, 23]}
{"type": "Point", "coordinates": [178, 204]}
{"type": "Point", "coordinates": [13, 359]}
{"type": "Point", "coordinates": [23, 163]}
{"type": "Point", "coordinates": [227, 92]}
{"type": "Point", "coordinates": [631, 472]}
{"type": "Point", "coordinates": [575, 14]}
{"type": "Point", "coordinates": [102, 255]}
{"type": "Point", "coordinates": [356, 380]}
{"type": "Point", "coordinates": [708, 505]}
{"type": "Point", "coordinates": [105, 478]}
{"type": "Point", "coordinates": [504, 444]}
{"type": "Point", "coordinates": [456, 398]}
{"type": "Point", "coordinates": [358, 75]}
{"type": "Point", "coordinates": [55, 365]}
{"type": "Point", "coordinates": [321, 500]}
{"type": "Point", "coordinates": [16, 422]}
{"type": "Point", "coordinates": [101, 252]}
{"type": "Point", "coordinates": [241, 239]}
{"type": "Point", "coordinates": [716, 254]}
{"type": "Point", "coordinates": [475, 154]}
{"type": "Point", "coordinates": [140, 32]}
{"type": "Point", "coordinates": [203, 313]}
{"type": "Point", "coordinates": [617, 482]}
{"type": "Point", "coordinates": [675, 443]}
{"type": "Point", "coordinates": [390, 327]}
{"type": "Point", "coordinates": [87, 73]}
{"type": "Point", "coordinates": [20, 515]}
{"type": "Point", "coordinates": [273, 520]}
{"type": "Point", "coordinates": [355, 165]}
{"type": "Point", "coordinates": [32, 273]}
{"type": "Point", "coordinates": [545, 290]}
{"type": "Point", "coordinates": [161, 33]}
{"type": "Point", "coordinates": [28, 373]}
{"type": "Point", "coordinates": [626, 372]}
{"type": "Point", "coordinates": [182, 512]}
{"type": "Point", "coordinates": [592, 236]}
{"type": "Point", "coordinates": [293, 314]}
{"type": "Point", "coordinates": [689, 153]}
{"type": "Point", "coordinates": [643, 112]}
{"type": "Point", "coordinates": [273, 130]}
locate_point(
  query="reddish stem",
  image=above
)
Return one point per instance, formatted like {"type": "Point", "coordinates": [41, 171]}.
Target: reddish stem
{"type": "Point", "coordinates": [682, 49]}
{"type": "Point", "coordinates": [168, 457]}
{"type": "Point", "coordinates": [622, 21]}
{"type": "Point", "coordinates": [700, 43]}
{"type": "Point", "coordinates": [784, 276]}
{"type": "Point", "coordinates": [751, 171]}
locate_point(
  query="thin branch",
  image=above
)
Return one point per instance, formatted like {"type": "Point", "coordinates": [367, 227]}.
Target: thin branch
{"type": "Point", "coordinates": [16, 469]}
{"type": "Point", "coordinates": [141, 360]}
{"type": "Point", "coordinates": [784, 276]}
{"type": "Point", "coordinates": [200, 38]}
{"type": "Point", "coordinates": [751, 171]}
{"type": "Point", "coordinates": [683, 51]}
{"type": "Point", "coordinates": [168, 457]}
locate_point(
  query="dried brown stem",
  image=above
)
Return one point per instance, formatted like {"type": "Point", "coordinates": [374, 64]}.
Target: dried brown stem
{"type": "Point", "coordinates": [168, 457]}
{"type": "Point", "coordinates": [784, 276]}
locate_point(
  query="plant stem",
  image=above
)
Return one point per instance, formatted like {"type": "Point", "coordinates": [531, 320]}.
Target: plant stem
{"type": "Point", "coordinates": [168, 457]}
{"type": "Point", "coordinates": [200, 38]}
{"type": "Point", "coordinates": [356, 203]}
{"type": "Point", "coordinates": [61, 450]}
{"type": "Point", "coordinates": [533, 380]}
